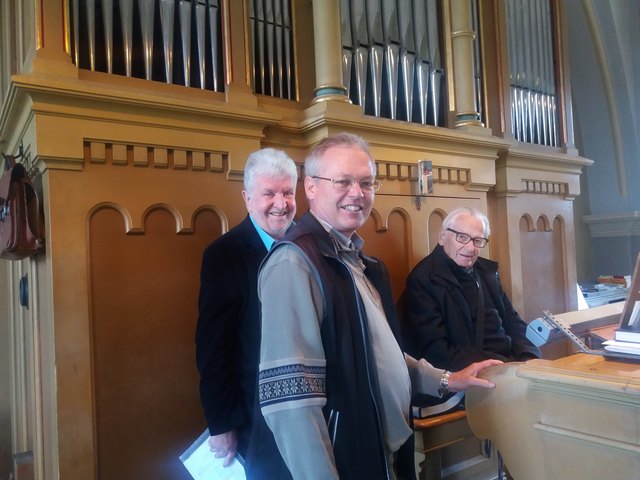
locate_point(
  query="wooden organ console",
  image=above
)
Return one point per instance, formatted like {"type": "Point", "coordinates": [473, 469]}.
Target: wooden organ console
{"type": "Point", "coordinates": [574, 417]}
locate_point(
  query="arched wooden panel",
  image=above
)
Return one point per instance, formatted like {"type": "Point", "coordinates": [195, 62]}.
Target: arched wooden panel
{"type": "Point", "coordinates": [391, 246]}
{"type": "Point", "coordinates": [435, 226]}
{"type": "Point", "coordinates": [144, 311]}
{"type": "Point", "coordinates": [543, 273]}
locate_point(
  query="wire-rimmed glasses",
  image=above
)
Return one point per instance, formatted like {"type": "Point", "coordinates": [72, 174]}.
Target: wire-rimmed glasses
{"type": "Point", "coordinates": [344, 184]}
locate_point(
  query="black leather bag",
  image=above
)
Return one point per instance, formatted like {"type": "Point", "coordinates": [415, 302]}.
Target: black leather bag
{"type": "Point", "coordinates": [19, 213]}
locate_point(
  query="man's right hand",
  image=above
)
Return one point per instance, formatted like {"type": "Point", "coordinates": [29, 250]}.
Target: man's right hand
{"type": "Point", "coordinates": [224, 445]}
{"type": "Point", "coordinates": [468, 377]}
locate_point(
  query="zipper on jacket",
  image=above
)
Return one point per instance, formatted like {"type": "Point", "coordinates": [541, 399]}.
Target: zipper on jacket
{"type": "Point", "coordinates": [332, 426]}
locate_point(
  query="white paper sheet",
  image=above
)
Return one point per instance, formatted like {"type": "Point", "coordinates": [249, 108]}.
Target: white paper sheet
{"type": "Point", "coordinates": [202, 464]}
{"type": "Point", "coordinates": [622, 347]}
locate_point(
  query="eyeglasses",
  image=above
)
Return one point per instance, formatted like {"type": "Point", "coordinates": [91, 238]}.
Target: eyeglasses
{"type": "Point", "coordinates": [463, 238]}
{"type": "Point", "coordinates": [346, 184]}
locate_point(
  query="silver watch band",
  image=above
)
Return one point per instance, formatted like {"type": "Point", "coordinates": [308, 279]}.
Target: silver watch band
{"type": "Point", "coordinates": [443, 388]}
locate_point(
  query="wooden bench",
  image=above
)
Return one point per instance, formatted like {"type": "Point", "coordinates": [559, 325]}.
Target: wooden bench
{"type": "Point", "coordinates": [432, 435]}
{"type": "Point", "coordinates": [446, 448]}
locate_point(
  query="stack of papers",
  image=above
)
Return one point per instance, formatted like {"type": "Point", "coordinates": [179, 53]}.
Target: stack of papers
{"type": "Point", "coordinates": [632, 348]}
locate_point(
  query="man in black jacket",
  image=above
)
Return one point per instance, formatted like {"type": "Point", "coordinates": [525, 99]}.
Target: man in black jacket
{"type": "Point", "coordinates": [228, 329]}
{"type": "Point", "coordinates": [455, 311]}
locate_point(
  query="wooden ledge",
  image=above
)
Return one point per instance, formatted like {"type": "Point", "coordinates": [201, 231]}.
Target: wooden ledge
{"type": "Point", "coordinates": [435, 421]}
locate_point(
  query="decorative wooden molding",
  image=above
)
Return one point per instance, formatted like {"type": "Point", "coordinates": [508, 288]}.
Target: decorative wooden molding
{"type": "Point", "coordinates": [537, 170]}
{"type": "Point", "coordinates": [120, 154]}
{"type": "Point", "coordinates": [544, 187]}
{"type": "Point", "coordinates": [390, 170]}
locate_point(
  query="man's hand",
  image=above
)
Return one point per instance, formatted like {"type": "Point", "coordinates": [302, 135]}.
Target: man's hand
{"type": "Point", "coordinates": [468, 377]}
{"type": "Point", "coordinates": [225, 445]}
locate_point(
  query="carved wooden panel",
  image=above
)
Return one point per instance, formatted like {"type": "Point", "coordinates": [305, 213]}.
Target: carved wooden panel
{"type": "Point", "coordinates": [391, 244]}
{"type": "Point", "coordinates": [543, 275]}
{"type": "Point", "coordinates": [144, 289]}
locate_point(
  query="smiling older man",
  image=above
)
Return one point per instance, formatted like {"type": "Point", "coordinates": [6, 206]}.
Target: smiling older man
{"type": "Point", "coordinates": [228, 330]}
{"type": "Point", "coordinates": [455, 310]}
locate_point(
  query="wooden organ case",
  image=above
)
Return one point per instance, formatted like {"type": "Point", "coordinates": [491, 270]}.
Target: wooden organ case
{"type": "Point", "coordinates": [575, 417]}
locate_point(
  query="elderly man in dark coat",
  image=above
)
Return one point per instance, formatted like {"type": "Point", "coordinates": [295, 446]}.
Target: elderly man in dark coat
{"type": "Point", "coordinates": [455, 311]}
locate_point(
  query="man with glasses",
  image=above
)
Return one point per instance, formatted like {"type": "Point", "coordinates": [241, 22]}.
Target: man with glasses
{"type": "Point", "coordinates": [455, 311]}
{"type": "Point", "coordinates": [334, 384]}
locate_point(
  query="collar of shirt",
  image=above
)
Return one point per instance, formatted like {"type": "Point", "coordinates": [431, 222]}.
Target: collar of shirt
{"type": "Point", "coordinates": [267, 239]}
{"type": "Point", "coordinates": [341, 241]}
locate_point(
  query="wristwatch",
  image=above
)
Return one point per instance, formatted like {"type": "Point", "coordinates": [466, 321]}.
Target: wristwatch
{"type": "Point", "coordinates": [443, 388]}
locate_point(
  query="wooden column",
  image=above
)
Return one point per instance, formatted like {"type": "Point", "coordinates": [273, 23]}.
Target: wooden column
{"type": "Point", "coordinates": [328, 52]}
{"type": "Point", "coordinates": [462, 37]}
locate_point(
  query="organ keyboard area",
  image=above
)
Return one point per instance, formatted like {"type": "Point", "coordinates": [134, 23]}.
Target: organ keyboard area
{"type": "Point", "coordinates": [574, 417]}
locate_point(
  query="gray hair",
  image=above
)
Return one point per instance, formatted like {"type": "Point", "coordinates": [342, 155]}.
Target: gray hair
{"type": "Point", "coordinates": [348, 140]}
{"type": "Point", "coordinates": [270, 162]}
{"type": "Point", "coordinates": [454, 214]}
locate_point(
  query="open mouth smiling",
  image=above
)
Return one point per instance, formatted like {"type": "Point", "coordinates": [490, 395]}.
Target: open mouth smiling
{"type": "Point", "coordinates": [352, 208]}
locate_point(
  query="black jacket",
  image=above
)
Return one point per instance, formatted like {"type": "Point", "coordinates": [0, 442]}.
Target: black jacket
{"type": "Point", "coordinates": [228, 344]}
{"type": "Point", "coordinates": [438, 321]}
{"type": "Point", "coordinates": [228, 329]}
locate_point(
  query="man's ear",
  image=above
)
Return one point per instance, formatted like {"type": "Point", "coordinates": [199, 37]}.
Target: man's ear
{"type": "Point", "coordinates": [441, 238]}
{"type": "Point", "coordinates": [246, 198]}
{"type": "Point", "coordinates": [310, 187]}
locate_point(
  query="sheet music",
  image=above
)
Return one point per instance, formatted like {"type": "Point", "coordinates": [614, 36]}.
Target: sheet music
{"type": "Point", "coordinates": [202, 464]}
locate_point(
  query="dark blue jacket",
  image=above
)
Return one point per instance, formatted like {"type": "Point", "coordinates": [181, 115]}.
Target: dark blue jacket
{"type": "Point", "coordinates": [228, 343]}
